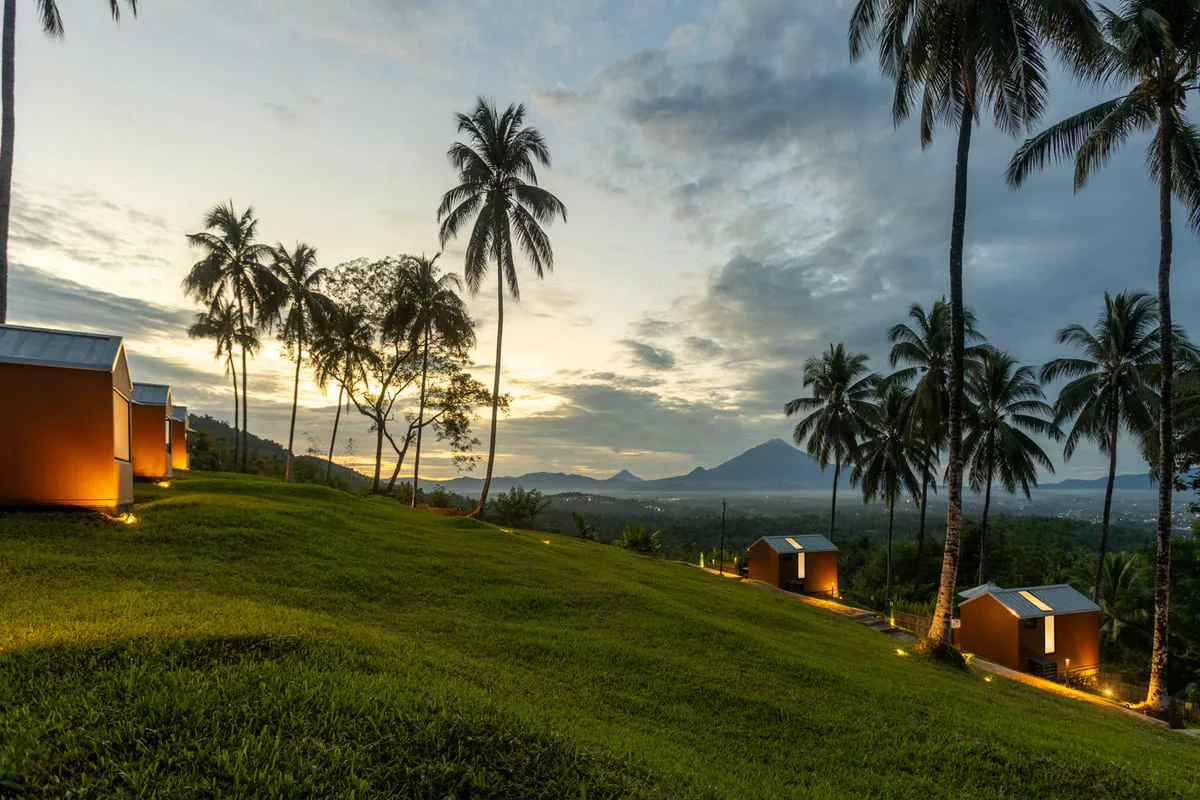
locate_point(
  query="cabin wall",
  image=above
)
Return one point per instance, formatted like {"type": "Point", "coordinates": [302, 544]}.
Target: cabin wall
{"type": "Point", "coordinates": [1077, 637]}
{"type": "Point", "coordinates": [179, 450]}
{"type": "Point", "coordinates": [151, 457]}
{"type": "Point", "coordinates": [821, 571]}
{"type": "Point", "coordinates": [764, 563]}
{"type": "Point", "coordinates": [989, 630]}
{"type": "Point", "coordinates": [57, 433]}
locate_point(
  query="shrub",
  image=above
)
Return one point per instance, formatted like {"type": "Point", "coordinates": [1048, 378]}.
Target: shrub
{"type": "Point", "coordinates": [639, 539]}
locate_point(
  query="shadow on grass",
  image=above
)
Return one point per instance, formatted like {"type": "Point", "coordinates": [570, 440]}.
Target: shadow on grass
{"type": "Point", "coordinates": [270, 716]}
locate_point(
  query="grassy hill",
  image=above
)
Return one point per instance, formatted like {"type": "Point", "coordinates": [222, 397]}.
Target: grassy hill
{"type": "Point", "coordinates": [250, 639]}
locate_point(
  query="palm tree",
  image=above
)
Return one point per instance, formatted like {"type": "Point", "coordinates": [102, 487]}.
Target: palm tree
{"type": "Point", "coordinates": [343, 349]}
{"type": "Point", "coordinates": [52, 25]}
{"type": "Point", "coordinates": [1152, 47]}
{"type": "Point", "coordinates": [498, 188]}
{"type": "Point", "coordinates": [437, 317]}
{"type": "Point", "coordinates": [962, 57]}
{"type": "Point", "coordinates": [1006, 405]}
{"type": "Point", "coordinates": [842, 392]}
{"type": "Point", "coordinates": [887, 459]}
{"type": "Point", "coordinates": [925, 348]}
{"type": "Point", "coordinates": [302, 310]}
{"type": "Point", "coordinates": [232, 266]}
{"type": "Point", "coordinates": [1110, 388]}
{"type": "Point", "coordinates": [221, 323]}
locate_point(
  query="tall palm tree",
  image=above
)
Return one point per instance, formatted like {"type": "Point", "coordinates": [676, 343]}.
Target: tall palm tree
{"type": "Point", "coordinates": [52, 25]}
{"type": "Point", "coordinates": [437, 318]}
{"type": "Point", "coordinates": [1110, 386]}
{"type": "Point", "coordinates": [232, 267]}
{"type": "Point", "coordinates": [1007, 405]}
{"type": "Point", "coordinates": [1152, 48]}
{"type": "Point", "coordinates": [498, 188]}
{"type": "Point", "coordinates": [925, 348]}
{"type": "Point", "coordinates": [343, 352]}
{"type": "Point", "coordinates": [888, 460]}
{"type": "Point", "coordinates": [302, 310]}
{"type": "Point", "coordinates": [221, 323]}
{"type": "Point", "coordinates": [842, 393]}
{"type": "Point", "coordinates": [961, 57]}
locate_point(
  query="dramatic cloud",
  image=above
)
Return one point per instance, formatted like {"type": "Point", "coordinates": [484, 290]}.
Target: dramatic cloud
{"type": "Point", "coordinates": [647, 355]}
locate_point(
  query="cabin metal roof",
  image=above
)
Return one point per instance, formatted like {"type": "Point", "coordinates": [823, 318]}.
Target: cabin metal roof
{"type": "Point", "coordinates": [151, 394]}
{"type": "Point", "coordinates": [811, 543]}
{"type": "Point", "coordinates": [179, 413]}
{"type": "Point", "coordinates": [53, 348]}
{"type": "Point", "coordinates": [1059, 597]}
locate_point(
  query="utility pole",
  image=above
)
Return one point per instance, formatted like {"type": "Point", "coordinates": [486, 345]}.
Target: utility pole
{"type": "Point", "coordinates": [722, 571]}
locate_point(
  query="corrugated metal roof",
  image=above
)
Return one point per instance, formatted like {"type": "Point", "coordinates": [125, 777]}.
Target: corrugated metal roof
{"type": "Point", "coordinates": [52, 348]}
{"type": "Point", "coordinates": [179, 413]}
{"type": "Point", "coordinates": [812, 543]}
{"type": "Point", "coordinates": [1059, 598]}
{"type": "Point", "coordinates": [151, 394]}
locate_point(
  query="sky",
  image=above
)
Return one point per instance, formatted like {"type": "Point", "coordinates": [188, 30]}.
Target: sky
{"type": "Point", "coordinates": [737, 197]}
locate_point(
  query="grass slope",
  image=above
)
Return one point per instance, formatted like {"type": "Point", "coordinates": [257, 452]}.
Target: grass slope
{"type": "Point", "coordinates": [250, 639]}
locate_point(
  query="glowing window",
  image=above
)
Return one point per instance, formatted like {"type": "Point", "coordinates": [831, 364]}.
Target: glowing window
{"type": "Point", "coordinates": [1036, 602]}
{"type": "Point", "coordinates": [120, 427]}
{"type": "Point", "coordinates": [794, 543]}
{"type": "Point", "coordinates": [800, 566]}
{"type": "Point", "coordinates": [1049, 635]}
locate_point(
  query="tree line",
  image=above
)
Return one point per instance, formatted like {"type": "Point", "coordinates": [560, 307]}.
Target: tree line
{"type": "Point", "coordinates": [383, 331]}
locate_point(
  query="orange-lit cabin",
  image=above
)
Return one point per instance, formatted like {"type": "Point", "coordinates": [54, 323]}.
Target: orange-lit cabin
{"type": "Point", "coordinates": [64, 419]}
{"type": "Point", "coordinates": [152, 431]}
{"type": "Point", "coordinates": [807, 564]}
{"type": "Point", "coordinates": [179, 437]}
{"type": "Point", "coordinates": [1047, 630]}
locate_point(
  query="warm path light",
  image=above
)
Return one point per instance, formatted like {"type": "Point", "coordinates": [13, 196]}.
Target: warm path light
{"type": "Point", "coordinates": [163, 484]}
{"type": "Point", "coordinates": [900, 652]}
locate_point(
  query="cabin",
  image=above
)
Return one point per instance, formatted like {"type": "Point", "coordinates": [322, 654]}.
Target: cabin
{"type": "Point", "coordinates": [64, 420]}
{"type": "Point", "coordinates": [179, 438]}
{"type": "Point", "coordinates": [151, 431]}
{"type": "Point", "coordinates": [807, 564]}
{"type": "Point", "coordinates": [1046, 630]}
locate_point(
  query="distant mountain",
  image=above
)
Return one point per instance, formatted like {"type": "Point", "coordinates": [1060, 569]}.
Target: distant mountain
{"type": "Point", "coordinates": [1142, 481]}
{"type": "Point", "coordinates": [773, 466]}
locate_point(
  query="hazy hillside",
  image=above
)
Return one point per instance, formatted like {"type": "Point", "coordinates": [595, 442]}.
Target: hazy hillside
{"type": "Point", "coordinates": [250, 639]}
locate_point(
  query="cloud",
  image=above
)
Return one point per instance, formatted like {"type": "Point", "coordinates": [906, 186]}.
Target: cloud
{"type": "Point", "coordinates": [647, 355]}
{"type": "Point", "coordinates": [283, 115]}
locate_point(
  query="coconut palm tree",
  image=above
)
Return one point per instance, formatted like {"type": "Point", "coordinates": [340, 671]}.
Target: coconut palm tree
{"type": "Point", "coordinates": [498, 189]}
{"type": "Point", "coordinates": [52, 25]}
{"type": "Point", "coordinates": [221, 323]}
{"type": "Point", "coordinates": [960, 58]}
{"type": "Point", "coordinates": [302, 310]}
{"type": "Point", "coordinates": [1109, 388]}
{"type": "Point", "coordinates": [925, 348]}
{"type": "Point", "coordinates": [343, 352]}
{"type": "Point", "coordinates": [1006, 406]}
{"type": "Point", "coordinates": [436, 318]}
{"type": "Point", "coordinates": [232, 267]}
{"type": "Point", "coordinates": [1151, 48]}
{"type": "Point", "coordinates": [842, 393]}
{"type": "Point", "coordinates": [888, 460]}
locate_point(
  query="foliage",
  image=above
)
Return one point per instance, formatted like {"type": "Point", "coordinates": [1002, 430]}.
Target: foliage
{"type": "Point", "coordinates": [440, 498]}
{"type": "Point", "coordinates": [345, 646]}
{"type": "Point", "coordinates": [517, 507]}
{"type": "Point", "coordinates": [639, 539]}
{"type": "Point", "coordinates": [582, 529]}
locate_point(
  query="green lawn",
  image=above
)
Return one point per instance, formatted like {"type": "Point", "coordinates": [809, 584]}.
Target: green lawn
{"type": "Point", "coordinates": [250, 639]}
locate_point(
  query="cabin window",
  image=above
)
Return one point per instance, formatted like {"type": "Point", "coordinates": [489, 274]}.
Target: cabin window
{"type": "Point", "coordinates": [120, 427]}
{"type": "Point", "coordinates": [169, 437]}
{"type": "Point", "coordinates": [1049, 635]}
{"type": "Point", "coordinates": [800, 566]}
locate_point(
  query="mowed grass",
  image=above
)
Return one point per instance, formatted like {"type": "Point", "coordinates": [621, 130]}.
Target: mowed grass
{"type": "Point", "coordinates": [250, 639]}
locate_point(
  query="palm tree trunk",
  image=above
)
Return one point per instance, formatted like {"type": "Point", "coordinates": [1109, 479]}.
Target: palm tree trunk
{"type": "Point", "coordinates": [287, 470]}
{"type": "Point", "coordinates": [1156, 694]}
{"type": "Point", "coordinates": [1113, 431]}
{"type": "Point", "coordinates": [921, 529]}
{"type": "Point", "coordinates": [981, 576]}
{"type": "Point", "coordinates": [8, 129]}
{"type": "Point", "coordinates": [887, 597]}
{"type": "Point", "coordinates": [837, 471]}
{"type": "Point", "coordinates": [487, 479]}
{"type": "Point", "coordinates": [420, 417]}
{"type": "Point", "coordinates": [237, 430]}
{"type": "Point", "coordinates": [245, 427]}
{"type": "Point", "coordinates": [378, 444]}
{"type": "Point", "coordinates": [939, 629]}
{"type": "Point", "coordinates": [333, 439]}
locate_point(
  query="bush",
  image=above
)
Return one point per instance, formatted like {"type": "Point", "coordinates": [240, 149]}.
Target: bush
{"type": "Point", "coordinates": [440, 498]}
{"type": "Point", "coordinates": [518, 508]}
{"type": "Point", "coordinates": [639, 539]}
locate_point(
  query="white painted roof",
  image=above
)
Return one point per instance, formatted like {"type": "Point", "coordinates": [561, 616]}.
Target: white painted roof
{"type": "Point", "coordinates": [52, 348]}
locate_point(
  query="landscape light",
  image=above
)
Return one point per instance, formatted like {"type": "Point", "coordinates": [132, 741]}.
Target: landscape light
{"type": "Point", "coordinates": [163, 484]}
{"type": "Point", "coordinates": [545, 541]}
{"type": "Point", "coordinates": [900, 652]}
{"type": "Point", "coordinates": [987, 678]}
{"type": "Point", "coordinates": [1108, 692]}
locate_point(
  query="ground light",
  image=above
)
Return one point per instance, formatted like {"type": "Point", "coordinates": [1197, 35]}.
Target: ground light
{"type": "Point", "coordinates": [900, 652]}
{"type": "Point", "coordinates": [987, 678]}
{"type": "Point", "coordinates": [127, 518]}
{"type": "Point", "coordinates": [163, 484]}
{"type": "Point", "coordinates": [1108, 692]}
